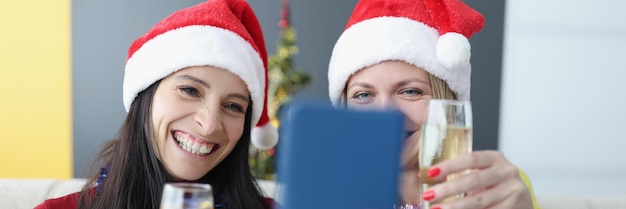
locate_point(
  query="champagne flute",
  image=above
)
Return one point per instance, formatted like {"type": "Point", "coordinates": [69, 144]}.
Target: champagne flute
{"type": "Point", "coordinates": [187, 196]}
{"type": "Point", "coordinates": [446, 134]}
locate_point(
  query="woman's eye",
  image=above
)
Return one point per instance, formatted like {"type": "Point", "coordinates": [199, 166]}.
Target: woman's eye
{"type": "Point", "coordinates": [235, 107]}
{"type": "Point", "coordinates": [412, 92]}
{"type": "Point", "coordinates": [362, 95]}
{"type": "Point", "coordinates": [189, 90]}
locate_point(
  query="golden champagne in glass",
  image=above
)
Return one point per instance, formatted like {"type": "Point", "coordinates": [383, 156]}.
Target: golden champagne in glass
{"type": "Point", "coordinates": [446, 134]}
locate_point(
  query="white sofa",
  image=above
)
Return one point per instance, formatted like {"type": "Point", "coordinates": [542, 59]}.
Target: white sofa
{"type": "Point", "coordinates": [27, 193]}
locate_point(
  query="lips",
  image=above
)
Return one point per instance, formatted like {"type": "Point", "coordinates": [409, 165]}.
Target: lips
{"type": "Point", "coordinates": [193, 145]}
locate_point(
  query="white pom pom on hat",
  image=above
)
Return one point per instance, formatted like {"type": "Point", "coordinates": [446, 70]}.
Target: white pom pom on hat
{"type": "Point", "coordinates": [264, 137]}
{"type": "Point", "coordinates": [220, 33]}
{"type": "Point", "coordinates": [453, 50]}
{"type": "Point", "coordinates": [430, 34]}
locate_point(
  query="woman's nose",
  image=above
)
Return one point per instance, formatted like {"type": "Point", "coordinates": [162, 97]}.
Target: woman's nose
{"type": "Point", "coordinates": [387, 104]}
{"type": "Point", "coordinates": [209, 119]}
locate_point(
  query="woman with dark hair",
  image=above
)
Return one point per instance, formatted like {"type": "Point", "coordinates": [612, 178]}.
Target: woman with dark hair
{"type": "Point", "coordinates": [194, 87]}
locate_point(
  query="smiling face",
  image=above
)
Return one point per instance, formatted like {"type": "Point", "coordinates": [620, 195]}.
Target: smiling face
{"type": "Point", "coordinates": [394, 85]}
{"type": "Point", "coordinates": [198, 116]}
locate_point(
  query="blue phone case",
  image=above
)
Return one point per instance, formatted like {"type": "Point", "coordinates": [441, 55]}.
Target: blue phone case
{"type": "Point", "coordinates": [337, 158]}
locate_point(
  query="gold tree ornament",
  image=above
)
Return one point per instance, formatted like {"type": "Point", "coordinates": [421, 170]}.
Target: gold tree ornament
{"type": "Point", "coordinates": [284, 78]}
{"type": "Point", "coordinates": [284, 81]}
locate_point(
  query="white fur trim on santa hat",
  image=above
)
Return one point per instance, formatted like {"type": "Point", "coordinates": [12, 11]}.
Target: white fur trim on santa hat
{"type": "Point", "coordinates": [264, 137]}
{"type": "Point", "coordinates": [195, 46]}
{"type": "Point", "coordinates": [390, 38]}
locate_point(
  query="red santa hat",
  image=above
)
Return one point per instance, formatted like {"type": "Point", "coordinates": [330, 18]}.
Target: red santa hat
{"type": "Point", "coordinates": [219, 33]}
{"type": "Point", "coordinates": [430, 34]}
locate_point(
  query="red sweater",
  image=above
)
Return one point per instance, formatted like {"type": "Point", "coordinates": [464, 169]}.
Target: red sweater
{"type": "Point", "coordinates": [71, 202]}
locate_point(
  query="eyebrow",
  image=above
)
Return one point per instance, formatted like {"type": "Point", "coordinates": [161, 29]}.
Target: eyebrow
{"type": "Point", "coordinates": [239, 96]}
{"type": "Point", "coordinates": [205, 84]}
{"type": "Point", "coordinates": [364, 85]}
{"type": "Point", "coordinates": [397, 84]}
{"type": "Point", "coordinates": [194, 79]}
{"type": "Point", "coordinates": [410, 80]}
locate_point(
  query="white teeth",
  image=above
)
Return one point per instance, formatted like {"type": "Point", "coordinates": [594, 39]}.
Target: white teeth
{"type": "Point", "coordinates": [193, 148]}
{"type": "Point", "coordinates": [186, 145]}
{"type": "Point", "coordinates": [204, 149]}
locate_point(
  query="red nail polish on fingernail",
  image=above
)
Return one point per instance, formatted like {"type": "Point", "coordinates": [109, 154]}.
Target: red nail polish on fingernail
{"type": "Point", "coordinates": [428, 195]}
{"type": "Point", "coordinates": [433, 172]}
{"type": "Point", "coordinates": [436, 207]}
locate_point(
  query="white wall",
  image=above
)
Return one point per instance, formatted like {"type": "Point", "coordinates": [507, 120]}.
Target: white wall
{"type": "Point", "coordinates": [563, 116]}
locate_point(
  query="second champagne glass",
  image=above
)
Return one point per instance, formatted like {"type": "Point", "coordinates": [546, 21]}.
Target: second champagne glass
{"type": "Point", "coordinates": [187, 196]}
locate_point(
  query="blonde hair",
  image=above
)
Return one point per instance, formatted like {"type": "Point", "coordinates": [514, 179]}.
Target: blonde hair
{"type": "Point", "coordinates": [440, 88]}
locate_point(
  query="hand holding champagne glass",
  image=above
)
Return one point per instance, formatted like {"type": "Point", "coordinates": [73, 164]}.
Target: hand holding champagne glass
{"type": "Point", "coordinates": [446, 134]}
{"type": "Point", "coordinates": [187, 196]}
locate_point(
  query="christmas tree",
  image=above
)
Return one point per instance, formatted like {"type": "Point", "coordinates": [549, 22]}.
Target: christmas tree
{"type": "Point", "coordinates": [284, 81]}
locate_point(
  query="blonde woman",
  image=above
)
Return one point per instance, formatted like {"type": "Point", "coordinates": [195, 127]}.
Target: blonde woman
{"type": "Point", "coordinates": [401, 53]}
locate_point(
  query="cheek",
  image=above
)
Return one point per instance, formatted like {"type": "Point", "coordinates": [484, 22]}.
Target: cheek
{"type": "Point", "coordinates": [415, 112]}
{"type": "Point", "coordinates": [159, 131]}
{"type": "Point", "coordinates": [165, 110]}
{"type": "Point", "coordinates": [420, 114]}
{"type": "Point", "coordinates": [234, 130]}
{"type": "Point", "coordinates": [158, 122]}
{"type": "Point", "coordinates": [367, 106]}
{"type": "Point", "coordinates": [409, 158]}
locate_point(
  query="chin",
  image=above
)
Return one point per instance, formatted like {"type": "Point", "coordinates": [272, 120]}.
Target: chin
{"type": "Point", "coordinates": [188, 176]}
{"type": "Point", "coordinates": [179, 171]}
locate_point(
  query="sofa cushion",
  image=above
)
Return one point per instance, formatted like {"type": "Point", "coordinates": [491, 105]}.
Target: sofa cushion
{"type": "Point", "coordinates": [27, 193]}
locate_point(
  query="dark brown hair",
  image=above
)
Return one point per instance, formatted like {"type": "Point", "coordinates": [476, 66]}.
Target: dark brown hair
{"type": "Point", "coordinates": [135, 177]}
